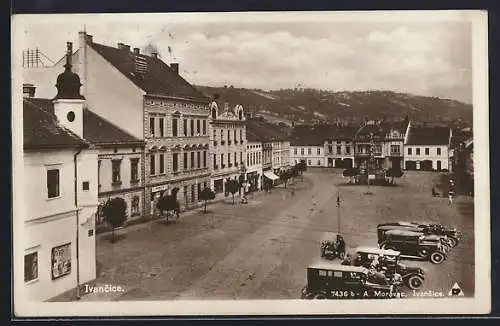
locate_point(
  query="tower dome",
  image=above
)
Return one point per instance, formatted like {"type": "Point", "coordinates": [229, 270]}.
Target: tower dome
{"type": "Point", "coordinates": [68, 83]}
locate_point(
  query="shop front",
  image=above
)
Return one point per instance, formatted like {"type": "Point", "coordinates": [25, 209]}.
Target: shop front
{"type": "Point", "coordinates": [253, 180]}
{"type": "Point", "coordinates": [156, 193]}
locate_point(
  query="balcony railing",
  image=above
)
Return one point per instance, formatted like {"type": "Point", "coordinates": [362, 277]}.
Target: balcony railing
{"type": "Point", "coordinates": [215, 143]}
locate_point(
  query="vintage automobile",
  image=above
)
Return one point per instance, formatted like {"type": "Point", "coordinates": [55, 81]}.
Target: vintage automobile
{"type": "Point", "coordinates": [415, 245]}
{"type": "Point", "coordinates": [328, 280]}
{"type": "Point", "coordinates": [452, 235]}
{"type": "Point", "coordinates": [405, 226]}
{"type": "Point", "coordinates": [413, 277]}
{"type": "Point", "coordinates": [328, 246]}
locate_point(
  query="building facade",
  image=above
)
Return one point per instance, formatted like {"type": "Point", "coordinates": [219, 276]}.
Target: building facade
{"type": "Point", "coordinates": [228, 145]}
{"type": "Point", "coordinates": [280, 153]}
{"type": "Point", "coordinates": [427, 147]}
{"type": "Point", "coordinates": [313, 155]}
{"type": "Point", "coordinates": [254, 162]}
{"type": "Point", "coordinates": [60, 194]}
{"type": "Point", "coordinates": [149, 100]}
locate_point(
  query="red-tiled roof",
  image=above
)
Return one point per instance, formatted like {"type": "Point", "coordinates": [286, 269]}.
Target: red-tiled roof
{"type": "Point", "coordinates": [159, 78]}
{"type": "Point", "coordinates": [96, 129]}
{"type": "Point", "coordinates": [428, 135]}
{"type": "Point", "coordinates": [41, 130]}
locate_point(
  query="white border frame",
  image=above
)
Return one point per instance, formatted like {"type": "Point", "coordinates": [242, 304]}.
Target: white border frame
{"type": "Point", "coordinates": [481, 303]}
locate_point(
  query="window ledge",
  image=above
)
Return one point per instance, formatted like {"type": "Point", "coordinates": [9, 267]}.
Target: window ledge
{"type": "Point", "coordinates": [116, 183]}
{"type": "Point", "coordinates": [54, 198]}
{"type": "Point", "coordinates": [135, 181]}
{"type": "Point", "coordinates": [32, 281]}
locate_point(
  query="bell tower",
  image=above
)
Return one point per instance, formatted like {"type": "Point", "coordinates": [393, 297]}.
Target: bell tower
{"type": "Point", "coordinates": [68, 103]}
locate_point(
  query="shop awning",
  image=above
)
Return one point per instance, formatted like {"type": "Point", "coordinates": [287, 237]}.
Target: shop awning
{"type": "Point", "coordinates": [271, 175]}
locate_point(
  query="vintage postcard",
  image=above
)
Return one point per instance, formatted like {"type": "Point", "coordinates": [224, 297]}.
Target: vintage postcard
{"type": "Point", "coordinates": [251, 164]}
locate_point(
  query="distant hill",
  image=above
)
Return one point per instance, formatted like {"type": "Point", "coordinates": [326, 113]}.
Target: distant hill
{"type": "Point", "coordinates": [312, 105]}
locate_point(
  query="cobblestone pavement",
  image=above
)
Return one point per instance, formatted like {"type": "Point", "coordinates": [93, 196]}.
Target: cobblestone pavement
{"type": "Point", "coordinates": [261, 250]}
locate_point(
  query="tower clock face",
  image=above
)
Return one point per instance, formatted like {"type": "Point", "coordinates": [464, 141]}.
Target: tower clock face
{"type": "Point", "coordinates": [71, 116]}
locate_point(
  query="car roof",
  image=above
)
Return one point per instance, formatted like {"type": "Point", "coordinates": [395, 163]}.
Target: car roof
{"type": "Point", "coordinates": [404, 232]}
{"type": "Point", "coordinates": [322, 264]}
{"type": "Point", "coordinates": [375, 250]}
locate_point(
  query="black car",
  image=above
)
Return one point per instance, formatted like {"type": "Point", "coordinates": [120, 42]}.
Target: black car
{"type": "Point", "coordinates": [415, 245]}
{"type": "Point", "coordinates": [451, 234]}
{"type": "Point", "coordinates": [327, 280]}
{"type": "Point", "coordinates": [383, 228]}
{"type": "Point", "coordinates": [388, 260]}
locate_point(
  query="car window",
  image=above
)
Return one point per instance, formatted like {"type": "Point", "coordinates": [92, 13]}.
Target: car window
{"type": "Point", "coordinates": [322, 273]}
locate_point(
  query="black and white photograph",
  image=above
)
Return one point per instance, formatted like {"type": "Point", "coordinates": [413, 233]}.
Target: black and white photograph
{"type": "Point", "coordinates": [251, 163]}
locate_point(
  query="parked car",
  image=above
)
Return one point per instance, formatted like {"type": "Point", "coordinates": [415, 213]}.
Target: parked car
{"type": "Point", "coordinates": [452, 234]}
{"type": "Point", "coordinates": [327, 280]}
{"type": "Point", "coordinates": [415, 245]}
{"type": "Point", "coordinates": [413, 277]}
{"type": "Point", "coordinates": [328, 246]}
{"type": "Point", "coordinates": [411, 227]}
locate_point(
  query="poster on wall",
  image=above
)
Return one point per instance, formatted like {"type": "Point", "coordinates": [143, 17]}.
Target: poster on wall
{"type": "Point", "coordinates": [61, 261]}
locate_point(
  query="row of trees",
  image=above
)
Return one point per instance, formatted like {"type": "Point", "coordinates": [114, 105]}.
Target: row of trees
{"type": "Point", "coordinates": [354, 173]}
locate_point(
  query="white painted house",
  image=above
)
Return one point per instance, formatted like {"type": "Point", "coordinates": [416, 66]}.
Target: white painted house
{"type": "Point", "coordinates": [427, 147]}
{"type": "Point", "coordinates": [60, 195]}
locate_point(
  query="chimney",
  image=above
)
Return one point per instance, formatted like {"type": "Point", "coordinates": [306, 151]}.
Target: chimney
{"type": "Point", "coordinates": [29, 90]}
{"type": "Point", "coordinates": [137, 51]}
{"type": "Point", "coordinates": [154, 55]}
{"type": "Point", "coordinates": [175, 67]}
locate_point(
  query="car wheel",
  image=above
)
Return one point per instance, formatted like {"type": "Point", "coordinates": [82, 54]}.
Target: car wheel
{"type": "Point", "coordinates": [319, 296]}
{"type": "Point", "coordinates": [415, 282]}
{"type": "Point", "coordinates": [453, 242]}
{"type": "Point", "coordinates": [437, 257]}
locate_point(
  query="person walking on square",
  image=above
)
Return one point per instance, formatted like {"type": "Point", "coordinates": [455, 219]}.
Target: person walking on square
{"type": "Point", "coordinates": [340, 246]}
{"type": "Point", "coordinates": [451, 193]}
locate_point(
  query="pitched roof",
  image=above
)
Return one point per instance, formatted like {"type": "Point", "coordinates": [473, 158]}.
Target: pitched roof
{"type": "Point", "coordinates": [99, 131]}
{"type": "Point", "coordinates": [159, 79]}
{"type": "Point", "coordinates": [264, 131]}
{"type": "Point", "coordinates": [96, 129]}
{"type": "Point", "coordinates": [304, 135]}
{"type": "Point", "coordinates": [41, 130]}
{"type": "Point", "coordinates": [428, 135]}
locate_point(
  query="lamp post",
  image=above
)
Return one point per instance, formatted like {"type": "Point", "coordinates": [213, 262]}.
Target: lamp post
{"type": "Point", "coordinates": [369, 161]}
{"type": "Point", "coordinates": [338, 212]}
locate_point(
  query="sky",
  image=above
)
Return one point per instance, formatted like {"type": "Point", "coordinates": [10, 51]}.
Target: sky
{"type": "Point", "coordinates": [422, 57]}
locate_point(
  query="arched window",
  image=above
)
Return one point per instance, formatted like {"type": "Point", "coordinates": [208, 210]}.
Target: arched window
{"type": "Point", "coordinates": [240, 115]}
{"type": "Point", "coordinates": [214, 113]}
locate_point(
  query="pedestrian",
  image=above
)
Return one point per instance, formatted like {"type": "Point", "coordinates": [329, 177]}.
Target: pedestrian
{"type": "Point", "coordinates": [340, 246]}
{"type": "Point", "coordinates": [451, 193]}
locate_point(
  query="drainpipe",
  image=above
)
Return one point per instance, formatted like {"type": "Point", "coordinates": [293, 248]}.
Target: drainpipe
{"type": "Point", "coordinates": [77, 225]}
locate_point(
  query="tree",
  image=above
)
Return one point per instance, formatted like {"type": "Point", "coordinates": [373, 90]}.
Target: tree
{"type": "Point", "coordinates": [169, 203]}
{"type": "Point", "coordinates": [115, 213]}
{"type": "Point", "coordinates": [351, 173]}
{"type": "Point", "coordinates": [232, 187]}
{"type": "Point", "coordinates": [302, 167]}
{"type": "Point", "coordinates": [394, 172]}
{"type": "Point", "coordinates": [206, 194]}
{"type": "Point", "coordinates": [285, 176]}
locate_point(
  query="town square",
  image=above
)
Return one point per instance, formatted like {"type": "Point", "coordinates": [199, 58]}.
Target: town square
{"type": "Point", "coordinates": [195, 165]}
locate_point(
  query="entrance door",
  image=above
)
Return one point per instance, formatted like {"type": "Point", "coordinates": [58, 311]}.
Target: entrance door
{"type": "Point", "coordinates": [339, 163]}
{"type": "Point", "coordinates": [411, 165]}
{"type": "Point", "coordinates": [330, 162]}
{"type": "Point", "coordinates": [438, 165]}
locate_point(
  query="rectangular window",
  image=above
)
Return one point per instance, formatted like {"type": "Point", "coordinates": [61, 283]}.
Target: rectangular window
{"type": "Point", "coordinates": [228, 135]}
{"type": "Point", "coordinates": [235, 159]}
{"type": "Point", "coordinates": [229, 159]}
{"type": "Point", "coordinates": [31, 266]}
{"type": "Point", "coordinates": [295, 151]}
{"type": "Point", "coordinates": [221, 135]}
{"type": "Point", "coordinates": [198, 126]}
{"type": "Point", "coordinates": [175, 162]}
{"type": "Point", "coordinates": [175, 127]}
{"type": "Point", "coordinates": [301, 151]}
{"type": "Point", "coordinates": [309, 162]}
{"type": "Point", "coordinates": [427, 151]}
{"type": "Point", "coordinates": [221, 160]}
{"type": "Point", "coordinates": [192, 160]}
{"type": "Point", "coordinates": [134, 169]}
{"type": "Point", "coordinates": [204, 159]}
{"type": "Point", "coordinates": [417, 151]}
{"type": "Point", "coordinates": [308, 151]}
{"type": "Point", "coordinates": [215, 161]}
{"type": "Point", "coordinates": [115, 168]}
{"type": "Point", "coordinates": [185, 161]}
{"type": "Point", "coordinates": [198, 160]}
{"type": "Point", "coordinates": [438, 151]}
{"type": "Point", "coordinates": [99, 173]}
{"type": "Point", "coordinates": [318, 151]}
{"type": "Point", "coordinates": [409, 151]}
{"type": "Point", "coordinates": [241, 135]}
{"type": "Point", "coordinates": [235, 135]}
{"type": "Point", "coordinates": [241, 157]}
{"type": "Point", "coordinates": [319, 162]}
{"type": "Point", "coordinates": [53, 183]}
{"type": "Point", "coordinates": [205, 127]}
{"type": "Point", "coordinates": [193, 198]}
{"type": "Point", "coordinates": [86, 186]}
{"type": "Point", "coordinates": [185, 126]}
{"type": "Point", "coordinates": [339, 150]}
{"type": "Point", "coordinates": [330, 149]}
{"type": "Point", "coordinates": [348, 149]}
{"type": "Point", "coordinates": [395, 149]}
{"type": "Point", "coordinates": [192, 127]}
{"type": "Point", "coordinates": [152, 127]}
{"type": "Point", "coordinates": [152, 167]}
{"type": "Point", "coordinates": [162, 163]}
{"type": "Point", "coordinates": [162, 126]}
